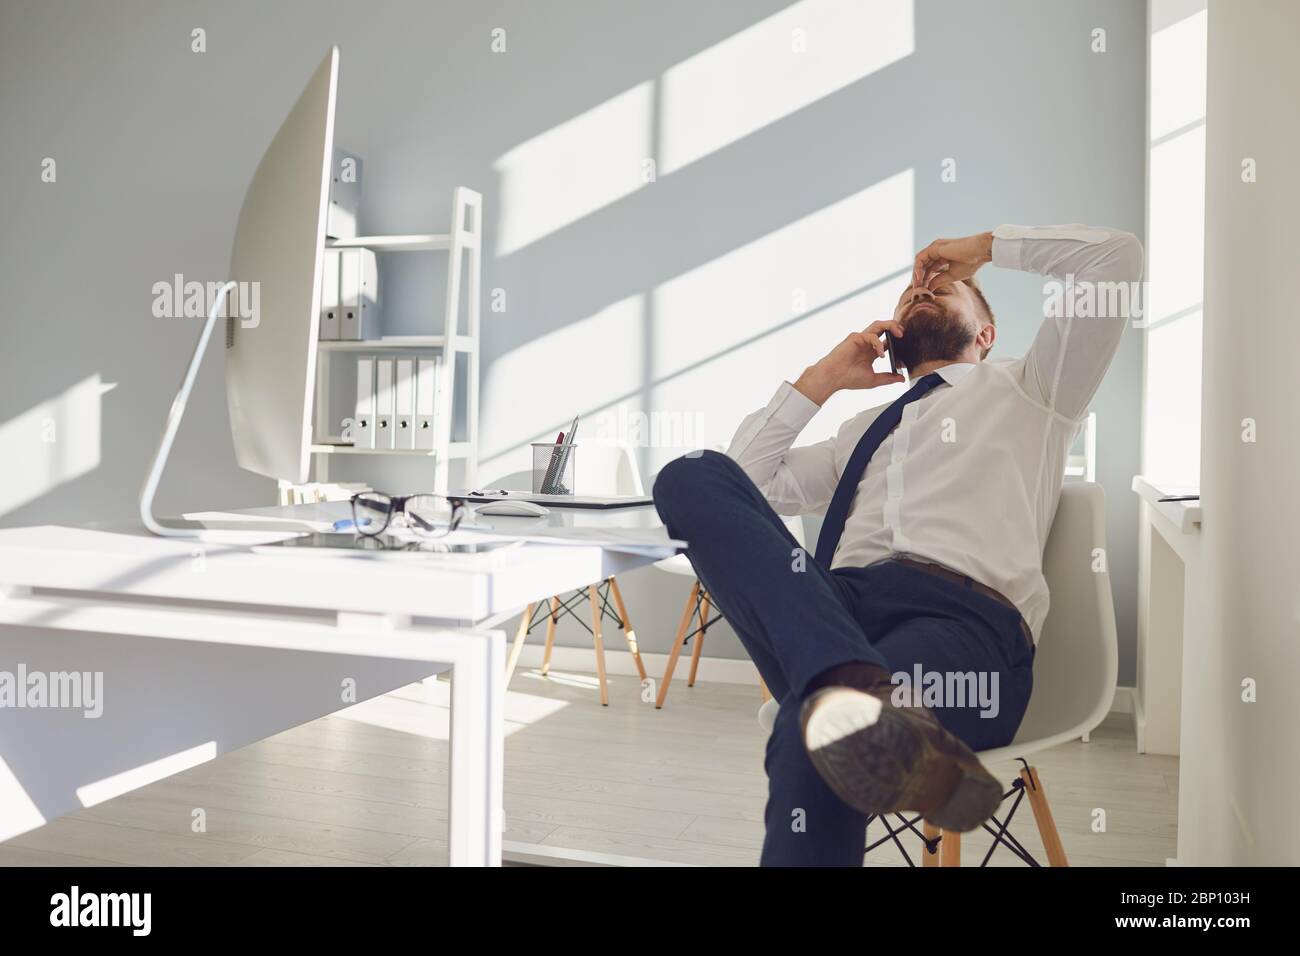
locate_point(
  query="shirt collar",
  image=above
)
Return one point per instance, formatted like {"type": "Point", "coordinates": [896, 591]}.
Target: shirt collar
{"type": "Point", "coordinates": [952, 374]}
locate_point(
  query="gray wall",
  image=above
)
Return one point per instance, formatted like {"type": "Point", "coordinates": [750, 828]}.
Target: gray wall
{"type": "Point", "coordinates": [677, 294]}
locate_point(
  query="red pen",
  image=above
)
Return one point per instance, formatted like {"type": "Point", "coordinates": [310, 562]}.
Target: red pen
{"type": "Point", "coordinates": [549, 478]}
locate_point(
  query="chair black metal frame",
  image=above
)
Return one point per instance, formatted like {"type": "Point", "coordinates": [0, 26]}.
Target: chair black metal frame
{"type": "Point", "coordinates": [597, 596]}
{"type": "Point", "coordinates": [1000, 829]}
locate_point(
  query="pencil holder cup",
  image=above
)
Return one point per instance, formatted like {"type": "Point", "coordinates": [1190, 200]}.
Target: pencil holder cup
{"type": "Point", "coordinates": [553, 468]}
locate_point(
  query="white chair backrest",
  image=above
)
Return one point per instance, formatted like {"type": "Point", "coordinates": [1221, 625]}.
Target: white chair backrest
{"type": "Point", "coordinates": [606, 470]}
{"type": "Point", "coordinates": [598, 470]}
{"type": "Point", "coordinates": [1077, 662]}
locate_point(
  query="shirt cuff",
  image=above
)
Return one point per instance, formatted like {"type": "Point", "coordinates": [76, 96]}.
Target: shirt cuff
{"type": "Point", "coordinates": [1006, 252]}
{"type": "Point", "coordinates": [791, 407]}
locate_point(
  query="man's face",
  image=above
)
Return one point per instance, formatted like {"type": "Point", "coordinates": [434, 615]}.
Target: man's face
{"type": "Point", "coordinates": [940, 322]}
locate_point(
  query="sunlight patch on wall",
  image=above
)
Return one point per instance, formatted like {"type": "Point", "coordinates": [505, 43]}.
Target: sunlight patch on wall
{"type": "Point", "coordinates": [51, 443]}
{"type": "Point", "coordinates": [1171, 436]}
{"type": "Point", "coordinates": [728, 332]}
{"type": "Point", "coordinates": [573, 169]}
{"type": "Point", "coordinates": [775, 68]}
{"type": "Point", "coordinates": [726, 388]}
{"type": "Point", "coordinates": [750, 80]}
{"type": "Point", "coordinates": [1176, 261]}
{"type": "Point", "coordinates": [1172, 439]}
{"type": "Point", "coordinates": [584, 365]}
{"type": "Point", "coordinates": [792, 270]}
{"type": "Point", "coordinates": [1178, 75]}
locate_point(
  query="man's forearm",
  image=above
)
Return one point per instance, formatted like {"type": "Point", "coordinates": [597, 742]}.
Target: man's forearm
{"type": "Point", "coordinates": [793, 480]}
{"type": "Point", "coordinates": [1077, 252]}
{"type": "Point", "coordinates": [1071, 352]}
{"type": "Point", "coordinates": [815, 385]}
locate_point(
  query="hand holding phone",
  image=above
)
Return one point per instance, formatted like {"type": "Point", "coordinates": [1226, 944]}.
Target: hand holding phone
{"type": "Point", "coordinates": [849, 364]}
{"type": "Point", "coordinates": [889, 347]}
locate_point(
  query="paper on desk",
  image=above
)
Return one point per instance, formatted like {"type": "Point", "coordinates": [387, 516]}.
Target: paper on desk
{"type": "Point", "coordinates": [650, 542]}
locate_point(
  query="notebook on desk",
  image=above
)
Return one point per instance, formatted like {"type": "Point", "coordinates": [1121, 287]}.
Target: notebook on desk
{"type": "Point", "coordinates": [556, 501]}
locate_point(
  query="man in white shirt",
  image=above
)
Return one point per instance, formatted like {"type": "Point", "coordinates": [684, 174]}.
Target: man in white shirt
{"type": "Point", "coordinates": [929, 561]}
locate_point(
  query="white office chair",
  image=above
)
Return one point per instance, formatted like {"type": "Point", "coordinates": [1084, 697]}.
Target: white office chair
{"type": "Point", "coordinates": [598, 470]}
{"type": "Point", "coordinates": [1075, 671]}
{"type": "Point", "coordinates": [698, 608]}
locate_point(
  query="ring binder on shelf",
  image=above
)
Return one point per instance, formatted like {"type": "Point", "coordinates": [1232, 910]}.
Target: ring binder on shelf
{"type": "Point", "coordinates": [329, 296]}
{"type": "Point", "coordinates": [404, 404]}
{"type": "Point", "coordinates": [358, 294]}
{"type": "Point", "coordinates": [426, 387]}
{"type": "Point", "coordinates": [384, 403]}
{"type": "Point", "coordinates": [363, 424]}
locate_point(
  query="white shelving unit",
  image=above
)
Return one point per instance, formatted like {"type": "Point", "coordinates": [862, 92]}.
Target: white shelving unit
{"type": "Point", "coordinates": [465, 239]}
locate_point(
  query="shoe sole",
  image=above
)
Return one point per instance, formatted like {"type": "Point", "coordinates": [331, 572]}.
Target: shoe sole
{"type": "Point", "coordinates": [877, 760]}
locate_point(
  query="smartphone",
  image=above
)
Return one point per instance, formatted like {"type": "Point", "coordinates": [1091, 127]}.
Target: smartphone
{"type": "Point", "coordinates": [893, 359]}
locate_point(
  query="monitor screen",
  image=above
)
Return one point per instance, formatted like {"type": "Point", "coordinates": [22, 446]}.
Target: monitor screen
{"type": "Point", "coordinates": [272, 336]}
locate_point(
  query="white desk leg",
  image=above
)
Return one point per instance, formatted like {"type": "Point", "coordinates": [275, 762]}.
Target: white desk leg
{"type": "Point", "coordinates": [477, 746]}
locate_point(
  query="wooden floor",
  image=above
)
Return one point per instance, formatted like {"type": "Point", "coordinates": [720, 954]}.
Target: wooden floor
{"type": "Point", "coordinates": [685, 784]}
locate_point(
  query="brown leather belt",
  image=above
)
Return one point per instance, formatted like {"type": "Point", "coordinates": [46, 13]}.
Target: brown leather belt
{"type": "Point", "coordinates": [966, 581]}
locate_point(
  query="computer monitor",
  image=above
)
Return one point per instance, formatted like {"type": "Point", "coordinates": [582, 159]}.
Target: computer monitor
{"type": "Point", "coordinates": [271, 355]}
{"type": "Point", "coordinates": [279, 242]}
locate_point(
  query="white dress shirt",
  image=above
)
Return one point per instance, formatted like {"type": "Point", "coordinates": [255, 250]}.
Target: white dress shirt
{"type": "Point", "coordinates": [971, 477]}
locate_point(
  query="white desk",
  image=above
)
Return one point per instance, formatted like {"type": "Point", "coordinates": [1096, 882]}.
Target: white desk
{"type": "Point", "coordinates": [1168, 601]}
{"type": "Point", "coordinates": [205, 648]}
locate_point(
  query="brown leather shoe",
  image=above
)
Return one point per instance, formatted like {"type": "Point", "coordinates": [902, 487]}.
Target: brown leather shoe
{"type": "Point", "coordinates": [879, 757]}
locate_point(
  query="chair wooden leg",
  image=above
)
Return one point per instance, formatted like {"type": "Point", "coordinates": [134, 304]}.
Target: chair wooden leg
{"type": "Point", "coordinates": [677, 646]}
{"type": "Point", "coordinates": [627, 626]}
{"type": "Point", "coordinates": [949, 848]}
{"type": "Point", "coordinates": [517, 647]}
{"type": "Point", "coordinates": [550, 637]}
{"type": "Point", "coordinates": [1043, 817]}
{"type": "Point", "coordinates": [698, 649]}
{"type": "Point", "coordinates": [600, 644]}
{"type": "Point", "coordinates": [931, 831]}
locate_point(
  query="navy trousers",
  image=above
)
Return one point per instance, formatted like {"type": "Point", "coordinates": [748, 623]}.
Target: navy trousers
{"type": "Point", "coordinates": [797, 619]}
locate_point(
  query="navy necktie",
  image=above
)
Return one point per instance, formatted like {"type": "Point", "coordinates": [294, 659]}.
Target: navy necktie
{"type": "Point", "coordinates": [886, 422]}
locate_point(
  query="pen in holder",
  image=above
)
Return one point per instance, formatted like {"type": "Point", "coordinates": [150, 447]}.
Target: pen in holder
{"type": "Point", "coordinates": [553, 468]}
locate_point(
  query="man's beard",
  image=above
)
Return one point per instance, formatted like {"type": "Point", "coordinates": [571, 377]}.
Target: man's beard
{"type": "Point", "coordinates": [931, 335]}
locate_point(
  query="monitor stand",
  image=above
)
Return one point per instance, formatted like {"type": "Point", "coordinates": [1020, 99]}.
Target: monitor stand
{"type": "Point", "coordinates": [231, 531]}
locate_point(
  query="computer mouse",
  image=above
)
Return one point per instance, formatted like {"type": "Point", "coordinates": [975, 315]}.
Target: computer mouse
{"type": "Point", "coordinates": [513, 509]}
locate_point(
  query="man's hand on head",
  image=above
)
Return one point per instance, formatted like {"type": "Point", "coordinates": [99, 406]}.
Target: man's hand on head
{"type": "Point", "coordinates": [848, 365]}
{"type": "Point", "coordinates": [957, 259]}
